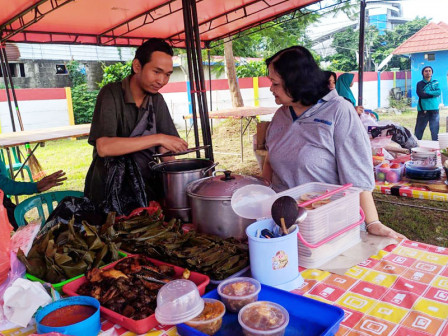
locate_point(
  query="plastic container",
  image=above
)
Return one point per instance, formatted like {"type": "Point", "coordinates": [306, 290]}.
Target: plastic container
{"type": "Point", "coordinates": [210, 320]}
{"type": "Point", "coordinates": [322, 222]}
{"type": "Point", "coordinates": [137, 326]}
{"type": "Point", "coordinates": [274, 261]}
{"type": "Point", "coordinates": [391, 175]}
{"type": "Point", "coordinates": [58, 286]}
{"type": "Point", "coordinates": [306, 316]}
{"type": "Point", "coordinates": [92, 324]}
{"type": "Point", "coordinates": [178, 301]}
{"type": "Point", "coordinates": [253, 319]}
{"type": "Point", "coordinates": [235, 293]}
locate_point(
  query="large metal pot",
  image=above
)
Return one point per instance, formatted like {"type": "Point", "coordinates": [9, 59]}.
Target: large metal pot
{"type": "Point", "coordinates": [174, 176]}
{"type": "Point", "coordinates": [210, 204]}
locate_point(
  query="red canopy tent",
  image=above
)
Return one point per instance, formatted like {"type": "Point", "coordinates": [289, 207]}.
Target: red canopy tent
{"type": "Point", "coordinates": [190, 24]}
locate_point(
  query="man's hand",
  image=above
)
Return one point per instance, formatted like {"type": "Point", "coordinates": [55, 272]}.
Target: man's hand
{"type": "Point", "coordinates": [173, 143]}
{"type": "Point", "coordinates": [359, 109]}
{"type": "Point", "coordinates": [51, 181]}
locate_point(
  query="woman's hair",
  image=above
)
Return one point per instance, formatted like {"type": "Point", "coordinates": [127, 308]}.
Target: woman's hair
{"type": "Point", "coordinates": [329, 74]}
{"type": "Point", "coordinates": [303, 80]}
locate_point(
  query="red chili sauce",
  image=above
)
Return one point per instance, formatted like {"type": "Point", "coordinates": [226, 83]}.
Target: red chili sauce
{"type": "Point", "coordinates": [68, 315]}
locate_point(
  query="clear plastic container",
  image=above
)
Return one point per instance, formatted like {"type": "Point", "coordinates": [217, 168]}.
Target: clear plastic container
{"type": "Point", "coordinates": [263, 318]}
{"type": "Point", "coordinates": [178, 301]}
{"type": "Point", "coordinates": [341, 211]}
{"type": "Point", "coordinates": [389, 174]}
{"type": "Point", "coordinates": [210, 320]}
{"type": "Point", "coordinates": [238, 292]}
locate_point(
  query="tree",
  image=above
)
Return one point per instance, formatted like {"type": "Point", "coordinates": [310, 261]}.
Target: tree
{"type": "Point", "coordinates": [377, 47]}
{"type": "Point", "coordinates": [235, 93]}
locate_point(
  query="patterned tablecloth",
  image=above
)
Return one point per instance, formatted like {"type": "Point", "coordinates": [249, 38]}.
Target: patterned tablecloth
{"type": "Point", "coordinates": [406, 189]}
{"type": "Point", "coordinates": [401, 291]}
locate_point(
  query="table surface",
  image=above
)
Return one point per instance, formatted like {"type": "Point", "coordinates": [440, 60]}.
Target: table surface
{"type": "Point", "coordinates": [42, 135]}
{"type": "Point", "coordinates": [239, 112]}
{"type": "Point", "coordinates": [401, 291]}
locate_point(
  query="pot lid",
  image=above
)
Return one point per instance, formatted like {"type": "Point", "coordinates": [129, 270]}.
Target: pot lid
{"type": "Point", "coordinates": [222, 185]}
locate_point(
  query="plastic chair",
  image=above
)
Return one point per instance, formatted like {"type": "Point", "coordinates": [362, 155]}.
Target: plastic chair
{"type": "Point", "coordinates": [37, 202]}
{"type": "Point", "coordinates": [16, 165]}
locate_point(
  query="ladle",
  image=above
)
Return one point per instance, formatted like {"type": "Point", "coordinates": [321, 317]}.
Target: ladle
{"type": "Point", "coordinates": [285, 212]}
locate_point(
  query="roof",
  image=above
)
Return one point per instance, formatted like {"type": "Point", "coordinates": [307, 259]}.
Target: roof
{"type": "Point", "coordinates": [129, 23]}
{"type": "Point", "coordinates": [432, 37]}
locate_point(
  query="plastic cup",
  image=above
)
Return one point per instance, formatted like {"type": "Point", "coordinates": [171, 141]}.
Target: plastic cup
{"type": "Point", "coordinates": [263, 318]}
{"type": "Point", "coordinates": [238, 292]}
{"type": "Point", "coordinates": [178, 301]}
{"type": "Point", "coordinates": [210, 320]}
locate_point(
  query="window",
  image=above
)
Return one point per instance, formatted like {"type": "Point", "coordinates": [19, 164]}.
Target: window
{"type": "Point", "coordinates": [15, 69]}
{"type": "Point", "coordinates": [61, 69]}
{"type": "Point", "coordinates": [430, 57]}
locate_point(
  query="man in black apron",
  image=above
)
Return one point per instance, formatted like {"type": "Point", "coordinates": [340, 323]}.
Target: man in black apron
{"type": "Point", "coordinates": [131, 117]}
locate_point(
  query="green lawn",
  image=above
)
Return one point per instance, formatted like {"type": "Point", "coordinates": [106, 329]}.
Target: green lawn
{"type": "Point", "coordinates": [420, 220]}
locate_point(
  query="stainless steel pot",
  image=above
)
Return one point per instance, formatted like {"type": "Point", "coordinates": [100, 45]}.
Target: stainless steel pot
{"type": "Point", "coordinates": [210, 204]}
{"type": "Point", "coordinates": [175, 175]}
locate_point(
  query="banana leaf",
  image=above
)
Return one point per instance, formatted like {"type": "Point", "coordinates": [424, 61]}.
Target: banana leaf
{"type": "Point", "coordinates": [61, 259]}
{"type": "Point", "coordinates": [74, 269]}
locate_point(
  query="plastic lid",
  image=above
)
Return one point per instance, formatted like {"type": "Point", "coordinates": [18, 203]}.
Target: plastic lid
{"type": "Point", "coordinates": [253, 201]}
{"type": "Point", "coordinates": [178, 301]}
{"type": "Point", "coordinates": [222, 186]}
{"type": "Point", "coordinates": [270, 318]}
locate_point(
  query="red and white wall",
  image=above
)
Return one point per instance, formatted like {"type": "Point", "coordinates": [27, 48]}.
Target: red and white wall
{"type": "Point", "coordinates": [39, 108]}
{"type": "Point", "coordinates": [43, 108]}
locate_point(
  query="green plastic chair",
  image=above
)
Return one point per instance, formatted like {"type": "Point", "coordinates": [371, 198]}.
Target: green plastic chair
{"type": "Point", "coordinates": [15, 166]}
{"type": "Point", "coordinates": [37, 202]}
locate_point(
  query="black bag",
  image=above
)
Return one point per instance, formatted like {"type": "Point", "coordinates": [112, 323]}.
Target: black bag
{"type": "Point", "coordinates": [401, 135]}
{"type": "Point", "coordinates": [125, 188]}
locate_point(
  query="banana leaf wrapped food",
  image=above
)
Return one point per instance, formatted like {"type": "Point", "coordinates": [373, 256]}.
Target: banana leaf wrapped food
{"type": "Point", "coordinates": [207, 254]}
{"type": "Point", "coordinates": [65, 251]}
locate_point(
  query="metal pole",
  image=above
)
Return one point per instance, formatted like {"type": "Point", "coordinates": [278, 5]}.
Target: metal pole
{"type": "Point", "coordinates": [4, 70]}
{"type": "Point", "coordinates": [362, 19]}
{"type": "Point", "coordinates": [19, 117]}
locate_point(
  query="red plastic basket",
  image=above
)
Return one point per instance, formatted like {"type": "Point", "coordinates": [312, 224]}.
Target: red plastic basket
{"type": "Point", "coordinates": [144, 325]}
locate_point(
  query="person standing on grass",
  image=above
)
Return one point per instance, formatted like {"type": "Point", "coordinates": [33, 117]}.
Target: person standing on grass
{"type": "Point", "coordinates": [131, 117]}
{"type": "Point", "coordinates": [428, 92]}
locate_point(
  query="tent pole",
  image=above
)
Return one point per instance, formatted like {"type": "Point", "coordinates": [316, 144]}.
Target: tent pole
{"type": "Point", "coordinates": [5, 75]}
{"type": "Point", "coordinates": [362, 19]}
{"type": "Point", "coordinates": [19, 116]}
{"type": "Point", "coordinates": [196, 75]}
{"type": "Point", "coordinates": [187, 26]}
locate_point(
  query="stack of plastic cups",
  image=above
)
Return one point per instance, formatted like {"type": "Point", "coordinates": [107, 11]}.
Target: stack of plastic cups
{"type": "Point", "coordinates": [443, 141]}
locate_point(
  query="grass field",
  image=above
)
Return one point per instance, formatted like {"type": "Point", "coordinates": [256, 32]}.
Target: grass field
{"type": "Point", "coordinates": [420, 220]}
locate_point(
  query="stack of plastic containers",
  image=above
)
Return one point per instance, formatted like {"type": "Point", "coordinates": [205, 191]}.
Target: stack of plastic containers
{"type": "Point", "coordinates": [327, 223]}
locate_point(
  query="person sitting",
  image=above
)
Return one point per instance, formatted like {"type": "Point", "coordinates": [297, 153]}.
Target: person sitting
{"type": "Point", "coordinates": [343, 85]}
{"type": "Point", "coordinates": [316, 135]}
{"type": "Point", "coordinates": [11, 187]}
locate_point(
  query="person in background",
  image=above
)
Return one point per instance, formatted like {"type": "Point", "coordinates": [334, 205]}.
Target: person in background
{"type": "Point", "coordinates": [331, 79]}
{"type": "Point", "coordinates": [343, 85]}
{"type": "Point", "coordinates": [428, 92]}
{"type": "Point", "coordinates": [11, 187]}
{"type": "Point", "coordinates": [131, 117]}
{"type": "Point", "coordinates": [316, 135]}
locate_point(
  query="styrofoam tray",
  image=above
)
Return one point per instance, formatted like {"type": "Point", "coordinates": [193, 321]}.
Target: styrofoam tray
{"type": "Point", "coordinates": [342, 211]}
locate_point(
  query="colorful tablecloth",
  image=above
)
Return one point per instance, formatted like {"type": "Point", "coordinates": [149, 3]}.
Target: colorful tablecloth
{"type": "Point", "coordinates": [405, 189]}
{"type": "Point", "coordinates": [401, 291]}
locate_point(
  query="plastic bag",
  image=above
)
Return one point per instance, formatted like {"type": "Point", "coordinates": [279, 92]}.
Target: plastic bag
{"type": "Point", "coordinates": [400, 135]}
{"type": "Point", "coordinates": [125, 188]}
{"type": "Point", "coordinates": [5, 240]}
